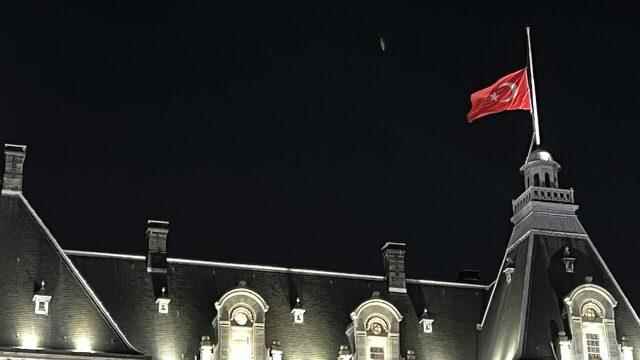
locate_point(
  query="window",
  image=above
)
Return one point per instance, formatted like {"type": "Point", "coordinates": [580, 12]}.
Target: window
{"type": "Point", "coordinates": [376, 353]}
{"type": "Point", "coordinates": [591, 312]}
{"type": "Point", "coordinates": [41, 304]}
{"type": "Point", "coordinates": [241, 315]}
{"type": "Point", "coordinates": [591, 309]}
{"type": "Point", "coordinates": [590, 315]}
{"type": "Point", "coordinates": [241, 334]}
{"type": "Point", "coordinates": [593, 346]}
{"type": "Point", "coordinates": [375, 329]}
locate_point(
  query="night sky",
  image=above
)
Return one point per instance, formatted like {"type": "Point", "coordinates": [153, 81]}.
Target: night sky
{"type": "Point", "coordinates": [283, 135]}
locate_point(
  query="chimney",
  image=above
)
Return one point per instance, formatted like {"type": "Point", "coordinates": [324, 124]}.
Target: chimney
{"type": "Point", "coordinates": [156, 234]}
{"type": "Point", "coordinates": [394, 269]}
{"type": "Point", "coordinates": [469, 276]}
{"type": "Point", "coordinates": [14, 156]}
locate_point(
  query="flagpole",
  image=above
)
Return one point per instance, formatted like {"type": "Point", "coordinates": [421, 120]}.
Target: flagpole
{"type": "Point", "coordinates": [534, 110]}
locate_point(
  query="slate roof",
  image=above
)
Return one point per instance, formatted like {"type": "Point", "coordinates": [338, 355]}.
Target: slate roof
{"type": "Point", "coordinates": [109, 299]}
{"type": "Point", "coordinates": [523, 317]}
{"type": "Point", "coordinates": [327, 299]}
{"type": "Point", "coordinates": [28, 255]}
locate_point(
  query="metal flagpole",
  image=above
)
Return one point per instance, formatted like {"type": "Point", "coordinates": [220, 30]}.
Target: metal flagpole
{"type": "Point", "coordinates": [534, 112]}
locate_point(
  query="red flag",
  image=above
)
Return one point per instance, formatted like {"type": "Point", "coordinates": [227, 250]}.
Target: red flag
{"type": "Point", "coordinates": [510, 92]}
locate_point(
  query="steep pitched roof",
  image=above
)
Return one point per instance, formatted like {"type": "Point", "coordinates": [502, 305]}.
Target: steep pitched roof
{"type": "Point", "coordinates": [523, 318]}
{"type": "Point", "coordinates": [29, 250]}
{"type": "Point", "coordinates": [327, 297]}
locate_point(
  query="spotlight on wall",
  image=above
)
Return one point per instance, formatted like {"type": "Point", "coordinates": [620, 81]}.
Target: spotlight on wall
{"type": "Point", "coordinates": [29, 341]}
{"type": "Point", "coordinates": [82, 344]}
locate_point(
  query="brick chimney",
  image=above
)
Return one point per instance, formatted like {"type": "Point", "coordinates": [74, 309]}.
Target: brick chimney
{"type": "Point", "coordinates": [394, 269]}
{"type": "Point", "coordinates": [156, 235]}
{"type": "Point", "coordinates": [14, 156]}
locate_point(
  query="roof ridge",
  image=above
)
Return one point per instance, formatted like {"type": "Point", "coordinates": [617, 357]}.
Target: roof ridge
{"type": "Point", "coordinates": [280, 269]}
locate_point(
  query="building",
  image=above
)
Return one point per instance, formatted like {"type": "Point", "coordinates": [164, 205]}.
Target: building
{"type": "Point", "coordinates": [553, 298]}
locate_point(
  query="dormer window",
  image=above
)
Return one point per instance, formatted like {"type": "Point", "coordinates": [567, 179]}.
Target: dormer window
{"type": "Point", "coordinates": [568, 259]}
{"type": "Point", "coordinates": [163, 305]}
{"type": "Point", "coordinates": [375, 330]}
{"type": "Point", "coordinates": [590, 309]}
{"type": "Point", "coordinates": [426, 322]}
{"type": "Point", "coordinates": [41, 300]}
{"type": "Point", "coordinates": [241, 317]}
{"type": "Point", "coordinates": [298, 313]}
{"type": "Point", "coordinates": [163, 302]}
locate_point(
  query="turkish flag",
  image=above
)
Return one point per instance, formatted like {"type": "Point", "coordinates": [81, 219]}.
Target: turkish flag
{"type": "Point", "coordinates": [510, 92]}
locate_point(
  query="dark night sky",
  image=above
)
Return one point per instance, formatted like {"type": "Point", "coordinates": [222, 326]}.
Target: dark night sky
{"type": "Point", "coordinates": [282, 135]}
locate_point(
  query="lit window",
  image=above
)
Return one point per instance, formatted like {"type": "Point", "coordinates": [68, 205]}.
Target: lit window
{"type": "Point", "coordinates": [376, 353]}
{"type": "Point", "coordinates": [241, 332]}
{"type": "Point", "coordinates": [591, 308]}
{"type": "Point", "coordinates": [377, 330]}
{"type": "Point", "coordinates": [593, 347]}
{"type": "Point", "coordinates": [591, 312]}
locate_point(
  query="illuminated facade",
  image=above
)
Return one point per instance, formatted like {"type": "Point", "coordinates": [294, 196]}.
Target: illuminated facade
{"type": "Point", "coordinates": [553, 297]}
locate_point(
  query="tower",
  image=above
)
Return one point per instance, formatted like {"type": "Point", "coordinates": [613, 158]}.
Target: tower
{"type": "Point", "coordinates": [554, 296]}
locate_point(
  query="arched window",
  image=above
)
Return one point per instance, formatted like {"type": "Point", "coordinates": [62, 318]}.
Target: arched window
{"type": "Point", "coordinates": [240, 324]}
{"type": "Point", "coordinates": [592, 323]}
{"type": "Point", "coordinates": [377, 333]}
{"type": "Point", "coordinates": [375, 330]}
{"type": "Point", "coordinates": [591, 312]}
{"type": "Point", "coordinates": [241, 334]}
{"type": "Point", "coordinates": [536, 180]}
{"type": "Point", "coordinates": [547, 180]}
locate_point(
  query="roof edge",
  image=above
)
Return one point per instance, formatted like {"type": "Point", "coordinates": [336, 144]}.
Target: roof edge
{"type": "Point", "coordinates": [513, 245]}
{"type": "Point", "coordinates": [279, 269]}
{"type": "Point", "coordinates": [615, 282]}
{"type": "Point", "coordinates": [76, 273]}
{"type": "Point", "coordinates": [63, 355]}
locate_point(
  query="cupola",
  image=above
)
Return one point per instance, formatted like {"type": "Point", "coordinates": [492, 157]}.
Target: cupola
{"type": "Point", "coordinates": [540, 170]}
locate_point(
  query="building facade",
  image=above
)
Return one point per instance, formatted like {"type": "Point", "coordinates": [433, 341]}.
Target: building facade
{"type": "Point", "coordinates": [553, 298]}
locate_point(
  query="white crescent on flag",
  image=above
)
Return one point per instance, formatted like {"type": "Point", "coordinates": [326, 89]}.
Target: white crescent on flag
{"type": "Point", "coordinates": [513, 90]}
